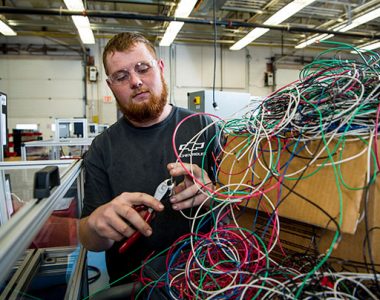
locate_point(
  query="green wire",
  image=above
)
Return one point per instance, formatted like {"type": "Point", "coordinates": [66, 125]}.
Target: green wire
{"type": "Point", "coordinates": [340, 220]}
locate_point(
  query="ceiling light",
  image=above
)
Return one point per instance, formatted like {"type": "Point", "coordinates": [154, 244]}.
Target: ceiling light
{"type": "Point", "coordinates": [6, 30]}
{"type": "Point", "coordinates": [84, 29]}
{"type": "Point", "coordinates": [82, 23]}
{"type": "Point", "coordinates": [184, 8]}
{"type": "Point", "coordinates": [280, 16]}
{"type": "Point", "coordinates": [254, 34]}
{"type": "Point", "coordinates": [170, 33]}
{"type": "Point", "coordinates": [362, 19]}
{"type": "Point", "coordinates": [343, 28]}
{"type": "Point", "coordinates": [317, 38]}
{"type": "Point", "coordinates": [371, 46]}
{"type": "Point", "coordinates": [74, 4]}
{"type": "Point", "coordinates": [183, 11]}
{"type": "Point", "coordinates": [287, 11]}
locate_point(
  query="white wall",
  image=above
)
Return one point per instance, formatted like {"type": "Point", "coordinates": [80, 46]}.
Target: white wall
{"type": "Point", "coordinates": [101, 106]}
{"type": "Point", "coordinates": [42, 89]}
{"type": "Point", "coordinates": [194, 71]}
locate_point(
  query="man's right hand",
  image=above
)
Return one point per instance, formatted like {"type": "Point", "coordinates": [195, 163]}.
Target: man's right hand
{"type": "Point", "coordinates": [116, 220]}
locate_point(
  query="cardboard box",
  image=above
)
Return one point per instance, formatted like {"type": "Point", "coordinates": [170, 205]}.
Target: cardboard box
{"type": "Point", "coordinates": [298, 240]}
{"type": "Point", "coordinates": [351, 252]}
{"type": "Point", "coordinates": [356, 247]}
{"type": "Point", "coordinates": [317, 198]}
{"type": "Point", "coordinates": [295, 237]}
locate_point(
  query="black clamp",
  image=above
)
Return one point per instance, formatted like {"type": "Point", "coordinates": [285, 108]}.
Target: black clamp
{"type": "Point", "coordinates": [44, 180]}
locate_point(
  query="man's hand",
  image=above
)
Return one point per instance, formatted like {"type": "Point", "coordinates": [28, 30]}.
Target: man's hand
{"type": "Point", "coordinates": [187, 194]}
{"type": "Point", "coordinates": [116, 220]}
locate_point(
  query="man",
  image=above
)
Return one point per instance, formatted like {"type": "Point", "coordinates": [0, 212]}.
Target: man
{"type": "Point", "coordinates": [126, 163]}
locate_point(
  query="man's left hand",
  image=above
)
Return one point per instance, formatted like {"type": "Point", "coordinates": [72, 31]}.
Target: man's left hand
{"type": "Point", "coordinates": [188, 193]}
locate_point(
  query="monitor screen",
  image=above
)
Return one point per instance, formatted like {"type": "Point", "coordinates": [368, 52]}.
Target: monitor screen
{"type": "Point", "coordinates": [78, 129]}
{"type": "Point", "coordinates": [64, 130]}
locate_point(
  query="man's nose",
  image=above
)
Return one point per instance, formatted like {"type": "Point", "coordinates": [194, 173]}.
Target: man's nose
{"type": "Point", "coordinates": [135, 80]}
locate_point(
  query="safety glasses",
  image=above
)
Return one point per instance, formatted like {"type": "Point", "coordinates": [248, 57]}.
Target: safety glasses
{"type": "Point", "coordinates": [141, 69]}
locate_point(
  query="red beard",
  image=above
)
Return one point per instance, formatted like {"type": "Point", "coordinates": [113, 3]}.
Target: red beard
{"type": "Point", "coordinates": [147, 110]}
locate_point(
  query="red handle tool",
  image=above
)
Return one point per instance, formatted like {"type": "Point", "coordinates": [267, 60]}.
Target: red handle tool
{"type": "Point", "coordinates": [135, 236]}
{"type": "Point", "coordinates": [162, 189]}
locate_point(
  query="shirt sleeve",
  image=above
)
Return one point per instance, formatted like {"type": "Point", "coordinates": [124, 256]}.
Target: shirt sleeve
{"type": "Point", "coordinates": [96, 182]}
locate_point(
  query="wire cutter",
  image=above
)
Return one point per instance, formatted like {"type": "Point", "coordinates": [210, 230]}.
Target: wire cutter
{"type": "Point", "coordinates": [162, 189]}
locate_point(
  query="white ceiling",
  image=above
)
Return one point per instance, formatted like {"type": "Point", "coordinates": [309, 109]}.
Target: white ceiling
{"type": "Point", "coordinates": [47, 22]}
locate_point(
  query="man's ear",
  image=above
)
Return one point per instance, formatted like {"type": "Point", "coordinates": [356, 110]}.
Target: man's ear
{"type": "Point", "coordinates": [161, 65]}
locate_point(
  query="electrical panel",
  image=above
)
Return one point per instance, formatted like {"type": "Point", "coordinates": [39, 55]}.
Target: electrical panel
{"type": "Point", "coordinates": [223, 104]}
{"type": "Point", "coordinates": [92, 73]}
{"type": "Point", "coordinates": [269, 80]}
{"type": "Point", "coordinates": [3, 125]}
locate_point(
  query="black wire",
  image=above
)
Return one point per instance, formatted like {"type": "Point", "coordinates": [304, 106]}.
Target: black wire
{"type": "Point", "coordinates": [307, 157]}
{"type": "Point", "coordinates": [366, 242]}
{"type": "Point", "coordinates": [291, 190]}
{"type": "Point", "coordinates": [214, 104]}
{"type": "Point", "coordinates": [94, 277]}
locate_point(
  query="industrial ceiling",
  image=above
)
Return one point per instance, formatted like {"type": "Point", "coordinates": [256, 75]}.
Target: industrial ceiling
{"type": "Point", "coordinates": [48, 22]}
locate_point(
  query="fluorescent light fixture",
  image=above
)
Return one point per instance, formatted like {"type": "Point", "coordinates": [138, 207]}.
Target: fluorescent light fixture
{"type": "Point", "coordinates": [74, 4]}
{"type": "Point", "coordinates": [84, 28]}
{"type": "Point", "coordinates": [287, 11]}
{"type": "Point", "coordinates": [280, 16]}
{"type": "Point", "coordinates": [6, 30]}
{"type": "Point", "coordinates": [362, 19]}
{"type": "Point", "coordinates": [316, 38]}
{"type": "Point", "coordinates": [343, 28]}
{"type": "Point", "coordinates": [170, 33]}
{"type": "Point", "coordinates": [82, 23]}
{"type": "Point", "coordinates": [254, 34]}
{"type": "Point", "coordinates": [371, 46]}
{"type": "Point", "coordinates": [86, 35]}
{"type": "Point", "coordinates": [183, 11]}
{"type": "Point", "coordinates": [184, 8]}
